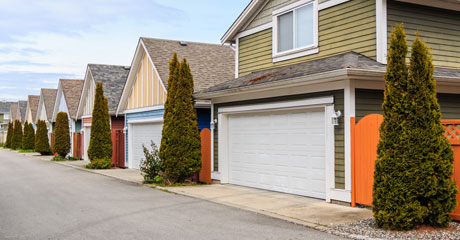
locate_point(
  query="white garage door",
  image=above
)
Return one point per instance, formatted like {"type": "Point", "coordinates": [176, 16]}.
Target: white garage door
{"type": "Point", "coordinates": [87, 136]}
{"type": "Point", "coordinates": [142, 134]}
{"type": "Point", "coordinates": [279, 150]}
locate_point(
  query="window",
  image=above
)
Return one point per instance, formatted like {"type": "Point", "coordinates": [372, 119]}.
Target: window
{"type": "Point", "coordinates": [6, 116]}
{"type": "Point", "coordinates": [295, 30]}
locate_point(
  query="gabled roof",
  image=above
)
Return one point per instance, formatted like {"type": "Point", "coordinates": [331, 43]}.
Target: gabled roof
{"type": "Point", "coordinates": [71, 90]}
{"type": "Point", "coordinates": [281, 75]}
{"type": "Point", "coordinates": [5, 107]}
{"type": "Point", "coordinates": [210, 64]}
{"type": "Point", "coordinates": [48, 97]}
{"type": "Point", "coordinates": [113, 78]}
{"type": "Point", "coordinates": [243, 19]}
{"type": "Point", "coordinates": [13, 111]}
{"type": "Point", "coordinates": [32, 103]}
{"type": "Point", "coordinates": [22, 110]}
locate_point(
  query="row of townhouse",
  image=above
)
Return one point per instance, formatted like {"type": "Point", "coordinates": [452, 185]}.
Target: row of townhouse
{"type": "Point", "coordinates": [278, 94]}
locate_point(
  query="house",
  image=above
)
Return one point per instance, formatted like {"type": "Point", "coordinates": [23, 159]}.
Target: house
{"type": "Point", "coordinates": [22, 107]}
{"type": "Point", "coordinates": [45, 108]}
{"type": "Point", "coordinates": [67, 99]}
{"type": "Point", "coordinates": [304, 68]}
{"type": "Point", "coordinates": [146, 88]}
{"type": "Point", "coordinates": [4, 119]}
{"type": "Point", "coordinates": [14, 112]}
{"type": "Point", "coordinates": [32, 108]}
{"type": "Point", "coordinates": [113, 78]}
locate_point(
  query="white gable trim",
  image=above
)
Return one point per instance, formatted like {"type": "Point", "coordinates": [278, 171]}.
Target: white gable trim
{"type": "Point", "coordinates": [132, 77]}
{"type": "Point", "coordinates": [253, 9]}
{"type": "Point", "coordinates": [82, 102]}
{"type": "Point", "coordinates": [381, 24]}
{"type": "Point", "coordinates": [57, 102]}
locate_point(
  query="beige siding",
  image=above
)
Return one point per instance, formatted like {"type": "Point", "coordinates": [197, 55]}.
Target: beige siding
{"type": "Point", "coordinates": [343, 28]}
{"type": "Point", "coordinates": [439, 28]}
{"type": "Point", "coordinates": [147, 89]}
{"type": "Point", "coordinates": [89, 102]}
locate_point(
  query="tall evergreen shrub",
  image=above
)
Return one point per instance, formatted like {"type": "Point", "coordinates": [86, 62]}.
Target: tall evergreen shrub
{"type": "Point", "coordinates": [25, 135]}
{"type": "Point", "coordinates": [100, 145]}
{"type": "Point", "coordinates": [412, 183]}
{"type": "Point", "coordinates": [17, 135]}
{"type": "Point", "coordinates": [180, 150]}
{"type": "Point", "coordinates": [30, 140]}
{"type": "Point", "coordinates": [42, 142]}
{"type": "Point", "coordinates": [62, 135]}
{"type": "Point", "coordinates": [9, 135]}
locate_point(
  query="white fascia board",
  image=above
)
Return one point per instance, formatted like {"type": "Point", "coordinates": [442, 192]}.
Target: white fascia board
{"type": "Point", "coordinates": [144, 109]}
{"type": "Point", "coordinates": [278, 105]}
{"type": "Point", "coordinates": [297, 81]}
{"type": "Point", "coordinates": [131, 77]}
{"type": "Point", "coordinates": [57, 102]}
{"type": "Point", "coordinates": [247, 13]}
{"type": "Point", "coordinates": [257, 29]}
{"type": "Point", "coordinates": [83, 94]}
{"type": "Point", "coordinates": [146, 120]}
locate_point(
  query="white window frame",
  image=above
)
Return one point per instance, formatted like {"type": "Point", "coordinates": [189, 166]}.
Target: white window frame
{"type": "Point", "coordinates": [296, 52]}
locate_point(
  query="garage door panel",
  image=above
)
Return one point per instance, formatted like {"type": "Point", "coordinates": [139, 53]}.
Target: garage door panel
{"type": "Point", "coordinates": [281, 151]}
{"type": "Point", "coordinates": [143, 134]}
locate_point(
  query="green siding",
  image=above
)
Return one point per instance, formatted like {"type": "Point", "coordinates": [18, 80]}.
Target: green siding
{"type": "Point", "coordinates": [370, 101]}
{"type": "Point", "coordinates": [342, 28]}
{"type": "Point", "coordinates": [265, 15]}
{"type": "Point", "coordinates": [439, 28]}
{"type": "Point", "coordinates": [339, 130]}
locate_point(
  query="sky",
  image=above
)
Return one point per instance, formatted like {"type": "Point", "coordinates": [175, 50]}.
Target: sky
{"type": "Point", "coordinates": [42, 41]}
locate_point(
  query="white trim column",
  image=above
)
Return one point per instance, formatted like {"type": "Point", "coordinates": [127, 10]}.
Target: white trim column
{"type": "Point", "coordinates": [349, 108]}
{"type": "Point", "coordinates": [381, 25]}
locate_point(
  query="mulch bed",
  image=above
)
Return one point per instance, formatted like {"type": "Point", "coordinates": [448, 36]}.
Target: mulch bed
{"type": "Point", "coordinates": [369, 229]}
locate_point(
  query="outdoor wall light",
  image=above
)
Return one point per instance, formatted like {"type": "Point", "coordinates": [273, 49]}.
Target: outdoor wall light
{"type": "Point", "coordinates": [213, 124]}
{"type": "Point", "coordinates": [335, 118]}
{"type": "Point", "coordinates": [125, 129]}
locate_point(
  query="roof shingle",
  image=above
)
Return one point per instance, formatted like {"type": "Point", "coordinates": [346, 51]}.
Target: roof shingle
{"type": "Point", "coordinates": [210, 63]}
{"type": "Point", "coordinates": [72, 89]}
{"type": "Point", "coordinates": [49, 98]}
{"type": "Point", "coordinates": [33, 101]}
{"type": "Point", "coordinates": [113, 78]}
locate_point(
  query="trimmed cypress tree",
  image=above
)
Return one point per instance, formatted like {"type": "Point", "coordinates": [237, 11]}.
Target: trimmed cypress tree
{"type": "Point", "coordinates": [42, 142]}
{"type": "Point", "coordinates": [17, 135]}
{"type": "Point", "coordinates": [24, 135]}
{"type": "Point", "coordinates": [100, 144]}
{"type": "Point", "coordinates": [181, 152]}
{"type": "Point", "coordinates": [62, 135]}
{"type": "Point", "coordinates": [412, 184]}
{"type": "Point", "coordinates": [30, 140]}
{"type": "Point", "coordinates": [9, 135]}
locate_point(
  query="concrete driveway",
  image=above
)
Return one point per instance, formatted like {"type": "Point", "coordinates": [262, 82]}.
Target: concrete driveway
{"type": "Point", "coordinates": [286, 206]}
{"type": "Point", "coordinates": [44, 200]}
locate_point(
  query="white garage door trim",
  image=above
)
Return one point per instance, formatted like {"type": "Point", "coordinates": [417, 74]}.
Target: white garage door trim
{"type": "Point", "coordinates": [130, 135]}
{"type": "Point", "coordinates": [323, 102]}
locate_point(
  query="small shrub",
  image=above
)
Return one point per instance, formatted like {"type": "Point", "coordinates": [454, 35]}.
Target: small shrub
{"type": "Point", "coordinates": [100, 163]}
{"type": "Point", "coordinates": [26, 151]}
{"type": "Point", "coordinates": [73, 158]}
{"type": "Point", "coordinates": [151, 165]}
{"type": "Point", "coordinates": [58, 159]}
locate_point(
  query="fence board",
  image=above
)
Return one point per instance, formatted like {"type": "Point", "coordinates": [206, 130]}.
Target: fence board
{"type": "Point", "coordinates": [205, 173]}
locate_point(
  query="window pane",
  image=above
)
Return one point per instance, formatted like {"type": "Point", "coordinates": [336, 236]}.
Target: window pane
{"type": "Point", "coordinates": [285, 32]}
{"type": "Point", "coordinates": [304, 26]}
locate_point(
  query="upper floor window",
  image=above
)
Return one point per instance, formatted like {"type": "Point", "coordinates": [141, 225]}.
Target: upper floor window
{"type": "Point", "coordinates": [6, 116]}
{"type": "Point", "coordinates": [295, 30]}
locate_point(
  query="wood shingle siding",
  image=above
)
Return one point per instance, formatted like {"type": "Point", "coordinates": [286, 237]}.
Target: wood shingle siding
{"type": "Point", "coordinates": [439, 28]}
{"type": "Point", "coordinates": [338, 131]}
{"type": "Point", "coordinates": [370, 102]}
{"type": "Point", "coordinates": [343, 28]}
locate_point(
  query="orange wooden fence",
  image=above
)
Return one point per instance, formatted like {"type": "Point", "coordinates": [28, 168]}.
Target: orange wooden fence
{"type": "Point", "coordinates": [118, 148]}
{"type": "Point", "coordinates": [52, 142]}
{"type": "Point", "coordinates": [205, 173]}
{"type": "Point", "coordinates": [364, 139]}
{"type": "Point", "coordinates": [76, 145]}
